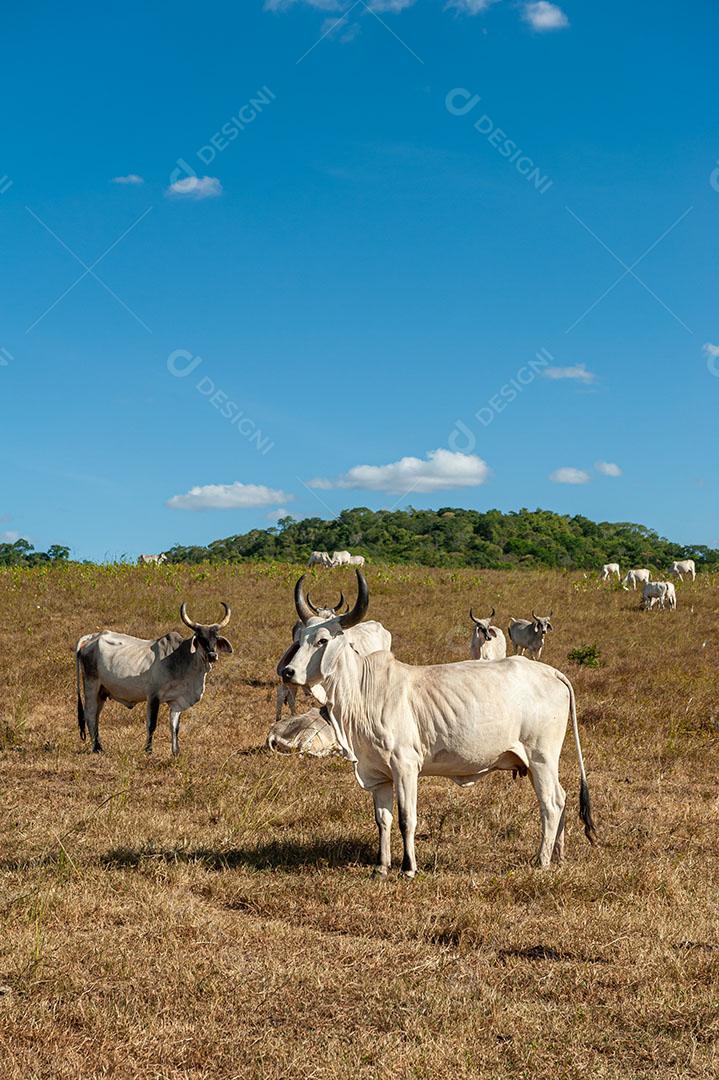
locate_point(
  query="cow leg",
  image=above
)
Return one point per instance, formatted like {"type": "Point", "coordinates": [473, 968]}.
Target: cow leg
{"type": "Point", "coordinates": [406, 784]}
{"type": "Point", "coordinates": [175, 715]}
{"type": "Point", "coordinates": [551, 797]}
{"type": "Point", "coordinates": [538, 653]}
{"type": "Point", "coordinates": [383, 796]}
{"type": "Point", "coordinates": [279, 702]}
{"type": "Point", "coordinates": [95, 698]}
{"type": "Point", "coordinates": [153, 708]}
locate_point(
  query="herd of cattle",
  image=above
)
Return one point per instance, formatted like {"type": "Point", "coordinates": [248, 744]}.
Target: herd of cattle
{"type": "Point", "coordinates": [654, 593]}
{"type": "Point", "coordinates": [393, 721]}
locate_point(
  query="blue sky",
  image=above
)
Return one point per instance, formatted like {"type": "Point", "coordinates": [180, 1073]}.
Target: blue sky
{"type": "Point", "coordinates": [408, 211]}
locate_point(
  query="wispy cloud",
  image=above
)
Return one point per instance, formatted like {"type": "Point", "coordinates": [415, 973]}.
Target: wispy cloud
{"type": "Point", "coordinates": [578, 372]}
{"type": "Point", "coordinates": [545, 16]}
{"type": "Point", "coordinates": [568, 475]}
{"type": "Point", "coordinates": [710, 351]}
{"type": "Point", "coordinates": [469, 7]}
{"type": "Point", "coordinates": [9, 536]}
{"type": "Point", "coordinates": [195, 187]}
{"type": "Point", "coordinates": [441, 469]}
{"type": "Point", "coordinates": [131, 178]}
{"type": "Point", "coordinates": [608, 468]}
{"type": "Point", "coordinates": [235, 496]}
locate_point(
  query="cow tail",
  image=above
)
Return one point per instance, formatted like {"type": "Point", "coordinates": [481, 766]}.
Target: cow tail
{"type": "Point", "coordinates": [585, 803]}
{"type": "Point", "coordinates": [80, 708]}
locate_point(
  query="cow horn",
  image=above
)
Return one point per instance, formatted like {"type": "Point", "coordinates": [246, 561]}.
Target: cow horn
{"type": "Point", "coordinates": [474, 618]}
{"type": "Point", "coordinates": [535, 617]}
{"type": "Point", "coordinates": [492, 615]}
{"type": "Point", "coordinates": [186, 619]}
{"type": "Point", "coordinates": [311, 605]}
{"type": "Point", "coordinates": [303, 609]}
{"type": "Point", "coordinates": [228, 615]}
{"type": "Point", "coordinates": [341, 604]}
{"type": "Point", "coordinates": [358, 612]}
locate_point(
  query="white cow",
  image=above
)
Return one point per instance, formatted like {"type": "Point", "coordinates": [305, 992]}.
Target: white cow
{"type": "Point", "coordinates": [682, 567]}
{"type": "Point", "coordinates": [287, 695]}
{"type": "Point", "coordinates": [151, 560]}
{"type": "Point", "coordinates": [636, 577]}
{"type": "Point", "coordinates": [609, 569]}
{"type": "Point", "coordinates": [398, 722]}
{"type": "Point", "coordinates": [488, 642]}
{"type": "Point", "coordinates": [659, 593]}
{"type": "Point", "coordinates": [341, 558]}
{"type": "Point", "coordinates": [319, 558]}
{"type": "Point", "coordinates": [356, 560]}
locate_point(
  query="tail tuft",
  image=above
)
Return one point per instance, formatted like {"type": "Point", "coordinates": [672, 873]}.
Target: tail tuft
{"type": "Point", "coordinates": [585, 812]}
{"type": "Point", "coordinates": [81, 717]}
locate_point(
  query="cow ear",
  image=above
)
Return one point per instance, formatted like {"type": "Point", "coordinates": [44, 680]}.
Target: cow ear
{"type": "Point", "coordinates": [193, 643]}
{"type": "Point", "coordinates": [492, 631]}
{"type": "Point", "coordinates": [223, 645]}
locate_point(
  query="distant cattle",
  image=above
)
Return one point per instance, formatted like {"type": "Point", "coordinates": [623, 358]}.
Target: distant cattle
{"type": "Point", "coordinates": [610, 569]}
{"type": "Point", "coordinates": [309, 733]}
{"type": "Point", "coordinates": [659, 593]}
{"type": "Point", "coordinates": [341, 558]}
{"type": "Point", "coordinates": [169, 671]}
{"type": "Point", "coordinates": [527, 636]}
{"type": "Point", "coordinates": [682, 567]}
{"type": "Point", "coordinates": [488, 642]}
{"type": "Point", "coordinates": [356, 560]}
{"type": "Point", "coordinates": [636, 577]}
{"type": "Point", "coordinates": [319, 558]}
{"type": "Point", "coordinates": [151, 560]}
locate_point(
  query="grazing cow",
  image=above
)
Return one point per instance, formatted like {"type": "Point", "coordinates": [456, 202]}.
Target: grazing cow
{"type": "Point", "coordinates": [151, 560]}
{"type": "Point", "coordinates": [287, 695]}
{"type": "Point", "coordinates": [528, 635]}
{"type": "Point", "coordinates": [659, 593]}
{"type": "Point", "coordinates": [319, 558]}
{"type": "Point", "coordinates": [636, 577]}
{"type": "Point", "coordinates": [682, 567]}
{"type": "Point", "coordinates": [356, 560]}
{"type": "Point", "coordinates": [488, 642]}
{"type": "Point", "coordinates": [398, 722]}
{"type": "Point", "coordinates": [310, 733]}
{"type": "Point", "coordinates": [341, 558]}
{"type": "Point", "coordinates": [171, 670]}
{"type": "Point", "coordinates": [610, 568]}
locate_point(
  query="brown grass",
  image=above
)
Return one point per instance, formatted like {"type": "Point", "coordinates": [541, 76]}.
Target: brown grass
{"type": "Point", "coordinates": [215, 916]}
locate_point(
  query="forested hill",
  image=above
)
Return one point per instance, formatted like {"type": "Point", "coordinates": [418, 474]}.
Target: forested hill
{"type": "Point", "coordinates": [455, 537]}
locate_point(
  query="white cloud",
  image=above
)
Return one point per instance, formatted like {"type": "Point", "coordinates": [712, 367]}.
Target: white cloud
{"type": "Point", "coordinates": [321, 5]}
{"type": "Point", "coordinates": [196, 187]}
{"type": "Point", "coordinates": [441, 469]}
{"type": "Point", "coordinates": [568, 475]}
{"type": "Point", "coordinates": [276, 515]}
{"type": "Point", "coordinates": [343, 30]}
{"type": "Point", "coordinates": [578, 371]}
{"type": "Point", "coordinates": [608, 468]}
{"type": "Point", "coordinates": [710, 351]}
{"type": "Point", "coordinates": [235, 496]}
{"type": "Point", "coordinates": [545, 16]}
{"type": "Point", "coordinates": [469, 7]}
{"type": "Point", "coordinates": [9, 536]}
{"type": "Point", "coordinates": [131, 178]}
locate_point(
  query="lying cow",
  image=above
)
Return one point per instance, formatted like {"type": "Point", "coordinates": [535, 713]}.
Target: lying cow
{"type": "Point", "coordinates": [636, 577]}
{"type": "Point", "coordinates": [171, 670]}
{"type": "Point", "coordinates": [398, 722]}
{"type": "Point", "coordinates": [309, 733]}
{"type": "Point", "coordinates": [682, 567]}
{"type": "Point", "coordinates": [609, 569]}
{"type": "Point", "coordinates": [488, 642]}
{"type": "Point", "coordinates": [659, 593]}
{"type": "Point", "coordinates": [527, 636]}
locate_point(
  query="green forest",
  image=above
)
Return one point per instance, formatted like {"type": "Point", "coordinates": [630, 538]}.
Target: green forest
{"type": "Point", "coordinates": [454, 537]}
{"type": "Point", "coordinates": [448, 537]}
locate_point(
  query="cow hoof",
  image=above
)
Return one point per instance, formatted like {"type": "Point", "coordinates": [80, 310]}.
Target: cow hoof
{"type": "Point", "coordinates": [409, 875]}
{"type": "Point", "coordinates": [381, 873]}
{"type": "Point", "coordinates": [97, 749]}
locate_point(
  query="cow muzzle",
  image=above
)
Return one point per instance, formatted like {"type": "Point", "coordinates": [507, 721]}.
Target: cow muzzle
{"type": "Point", "coordinates": [288, 674]}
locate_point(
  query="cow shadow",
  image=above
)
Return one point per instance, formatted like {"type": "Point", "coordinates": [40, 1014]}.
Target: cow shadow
{"type": "Point", "coordinates": [289, 856]}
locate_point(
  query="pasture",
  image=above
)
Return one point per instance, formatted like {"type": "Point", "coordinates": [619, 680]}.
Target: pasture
{"type": "Point", "coordinates": [215, 915]}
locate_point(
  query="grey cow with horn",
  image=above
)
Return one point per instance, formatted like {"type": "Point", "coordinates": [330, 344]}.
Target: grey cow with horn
{"type": "Point", "coordinates": [169, 671]}
{"type": "Point", "coordinates": [397, 722]}
{"type": "Point", "coordinates": [527, 635]}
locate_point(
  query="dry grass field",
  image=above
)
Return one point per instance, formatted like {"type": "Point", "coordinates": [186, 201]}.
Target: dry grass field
{"type": "Point", "coordinates": [215, 915]}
